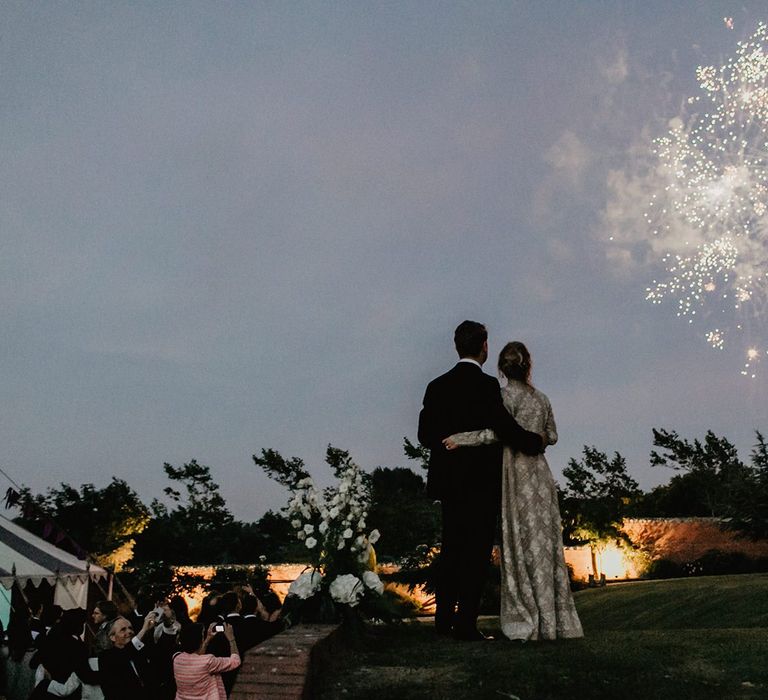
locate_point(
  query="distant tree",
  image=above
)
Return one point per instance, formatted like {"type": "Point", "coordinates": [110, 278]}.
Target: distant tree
{"type": "Point", "coordinates": [714, 479]}
{"type": "Point", "coordinates": [203, 507]}
{"type": "Point", "coordinates": [271, 537]}
{"type": "Point", "coordinates": [418, 453]}
{"type": "Point", "coordinates": [198, 529]}
{"type": "Point", "coordinates": [102, 521]}
{"type": "Point", "coordinates": [287, 472]}
{"type": "Point", "coordinates": [595, 500]}
{"type": "Point", "coordinates": [749, 512]}
{"type": "Point", "coordinates": [402, 512]}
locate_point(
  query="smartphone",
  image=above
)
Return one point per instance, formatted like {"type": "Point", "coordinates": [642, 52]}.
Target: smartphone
{"type": "Point", "coordinates": [159, 612]}
{"type": "Point", "coordinates": [219, 627]}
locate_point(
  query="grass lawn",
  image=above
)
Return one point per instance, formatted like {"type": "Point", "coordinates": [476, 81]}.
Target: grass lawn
{"type": "Point", "coordinates": [682, 638]}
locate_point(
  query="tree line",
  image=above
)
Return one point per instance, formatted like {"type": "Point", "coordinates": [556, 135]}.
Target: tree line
{"type": "Point", "coordinates": [193, 524]}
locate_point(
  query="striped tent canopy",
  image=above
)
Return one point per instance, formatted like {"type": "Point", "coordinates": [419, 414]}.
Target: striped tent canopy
{"type": "Point", "coordinates": [26, 557]}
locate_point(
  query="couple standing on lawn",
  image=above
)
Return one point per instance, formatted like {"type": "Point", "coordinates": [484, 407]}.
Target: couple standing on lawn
{"type": "Point", "coordinates": [486, 450]}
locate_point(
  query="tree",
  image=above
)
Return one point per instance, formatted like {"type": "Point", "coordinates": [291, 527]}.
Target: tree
{"type": "Point", "coordinates": [714, 479]}
{"type": "Point", "coordinates": [198, 530]}
{"type": "Point", "coordinates": [104, 522]}
{"type": "Point", "coordinates": [418, 453]}
{"type": "Point", "coordinates": [402, 512]}
{"type": "Point", "coordinates": [287, 472]}
{"type": "Point", "coordinates": [594, 502]}
{"type": "Point", "coordinates": [749, 513]}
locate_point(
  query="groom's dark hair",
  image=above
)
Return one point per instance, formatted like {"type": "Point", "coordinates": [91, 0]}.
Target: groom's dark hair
{"type": "Point", "coordinates": [469, 338]}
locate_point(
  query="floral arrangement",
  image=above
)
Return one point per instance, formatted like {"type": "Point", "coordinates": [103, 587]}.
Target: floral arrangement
{"type": "Point", "coordinates": [332, 526]}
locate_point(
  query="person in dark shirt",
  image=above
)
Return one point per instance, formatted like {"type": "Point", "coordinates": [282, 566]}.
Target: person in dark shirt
{"type": "Point", "coordinates": [124, 668]}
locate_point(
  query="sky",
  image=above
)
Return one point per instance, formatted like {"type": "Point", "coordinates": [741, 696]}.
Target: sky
{"type": "Point", "coordinates": [233, 226]}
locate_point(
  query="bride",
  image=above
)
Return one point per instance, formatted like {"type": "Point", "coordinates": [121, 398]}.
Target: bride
{"type": "Point", "coordinates": [536, 600]}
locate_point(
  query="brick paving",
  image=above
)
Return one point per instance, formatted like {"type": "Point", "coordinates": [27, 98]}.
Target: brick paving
{"type": "Point", "coordinates": [284, 666]}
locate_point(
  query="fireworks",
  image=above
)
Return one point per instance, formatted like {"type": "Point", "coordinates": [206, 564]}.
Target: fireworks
{"type": "Point", "coordinates": [710, 220]}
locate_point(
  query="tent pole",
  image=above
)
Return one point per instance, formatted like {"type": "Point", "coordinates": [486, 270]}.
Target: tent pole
{"type": "Point", "coordinates": [19, 586]}
{"type": "Point", "coordinates": [130, 598]}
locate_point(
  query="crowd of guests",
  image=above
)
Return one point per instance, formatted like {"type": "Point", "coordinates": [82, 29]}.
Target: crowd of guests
{"type": "Point", "coordinates": [159, 654]}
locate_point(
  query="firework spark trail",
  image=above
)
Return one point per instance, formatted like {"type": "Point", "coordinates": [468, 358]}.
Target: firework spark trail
{"type": "Point", "coordinates": [715, 166]}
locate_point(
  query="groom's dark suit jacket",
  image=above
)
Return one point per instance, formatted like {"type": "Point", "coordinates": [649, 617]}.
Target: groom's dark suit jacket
{"type": "Point", "coordinates": [463, 399]}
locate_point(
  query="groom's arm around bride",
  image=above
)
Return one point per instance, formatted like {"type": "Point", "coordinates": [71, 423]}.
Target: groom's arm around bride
{"type": "Point", "coordinates": [467, 482]}
{"type": "Point", "coordinates": [464, 399]}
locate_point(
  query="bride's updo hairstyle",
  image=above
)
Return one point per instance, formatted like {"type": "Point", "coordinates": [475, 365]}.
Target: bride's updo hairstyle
{"type": "Point", "coordinates": [515, 362]}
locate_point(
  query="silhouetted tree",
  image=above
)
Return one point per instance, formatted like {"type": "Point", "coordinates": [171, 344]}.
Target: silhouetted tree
{"type": "Point", "coordinates": [101, 521]}
{"type": "Point", "coordinates": [594, 502]}
{"type": "Point", "coordinates": [715, 478]}
{"type": "Point", "coordinates": [402, 512]}
{"type": "Point", "coordinates": [198, 530]}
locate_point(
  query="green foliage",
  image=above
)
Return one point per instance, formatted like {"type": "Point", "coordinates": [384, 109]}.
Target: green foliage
{"type": "Point", "coordinates": [338, 460]}
{"type": "Point", "coordinates": [749, 511]}
{"type": "Point", "coordinates": [402, 512]}
{"type": "Point", "coordinates": [204, 507]}
{"type": "Point", "coordinates": [712, 482]}
{"type": "Point", "coordinates": [418, 453]}
{"type": "Point", "coordinates": [227, 577]}
{"type": "Point", "coordinates": [596, 496]}
{"type": "Point", "coordinates": [199, 529]}
{"type": "Point", "coordinates": [288, 472]}
{"type": "Point", "coordinates": [715, 476]}
{"type": "Point", "coordinates": [271, 536]}
{"type": "Point", "coordinates": [100, 520]}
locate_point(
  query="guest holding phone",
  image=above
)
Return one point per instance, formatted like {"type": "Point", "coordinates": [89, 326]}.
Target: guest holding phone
{"type": "Point", "coordinates": [198, 673]}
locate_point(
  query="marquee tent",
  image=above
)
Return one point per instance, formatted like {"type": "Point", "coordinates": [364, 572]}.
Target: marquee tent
{"type": "Point", "coordinates": [25, 557]}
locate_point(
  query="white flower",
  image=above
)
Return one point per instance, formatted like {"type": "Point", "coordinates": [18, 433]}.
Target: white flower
{"type": "Point", "coordinates": [373, 538]}
{"type": "Point", "coordinates": [361, 524]}
{"type": "Point", "coordinates": [311, 542]}
{"type": "Point", "coordinates": [342, 543]}
{"type": "Point", "coordinates": [323, 527]}
{"type": "Point", "coordinates": [301, 534]}
{"type": "Point", "coordinates": [306, 585]}
{"type": "Point", "coordinates": [306, 481]}
{"type": "Point", "coordinates": [372, 580]}
{"type": "Point", "coordinates": [334, 512]}
{"type": "Point", "coordinates": [295, 524]}
{"type": "Point", "coordinates": [347, 534]}
{"type": "Point", "coordinates": [306, 512]}
{"type": "Point", "coordinates": [359, 540]}
{"type": "Point", "coordinates": [309, 529]}
{"type": "Point", "coordinates": [347, 589]}
{"type": "Point", "coordinates": [263, 558]}
{"type": "Point", "coordinates": [343, 487]}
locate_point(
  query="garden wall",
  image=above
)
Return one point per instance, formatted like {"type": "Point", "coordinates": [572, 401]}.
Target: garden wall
{"type": "Point", "coordinates": [678, 540]}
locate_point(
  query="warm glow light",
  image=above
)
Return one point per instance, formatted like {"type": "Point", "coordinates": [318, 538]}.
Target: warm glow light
{"type": "Point", "coordinates": [613, 561]}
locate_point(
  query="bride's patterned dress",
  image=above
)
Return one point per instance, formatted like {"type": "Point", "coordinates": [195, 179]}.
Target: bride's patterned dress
{"type": "Point", "coordinates": [536, 600]}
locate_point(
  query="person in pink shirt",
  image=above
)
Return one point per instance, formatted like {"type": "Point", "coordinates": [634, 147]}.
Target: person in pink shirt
{"type": "Point", "coordinates": [198, 675]}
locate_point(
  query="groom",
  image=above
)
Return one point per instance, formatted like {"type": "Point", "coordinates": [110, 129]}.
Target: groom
{"type": "Point", "coordinates": [467, 481]}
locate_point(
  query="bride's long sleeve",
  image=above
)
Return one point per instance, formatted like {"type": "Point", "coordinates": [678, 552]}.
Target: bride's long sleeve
{"type": "Point", "coordinates": [550, 428]}
{"type": "Point", "coordinates": [475, 438]}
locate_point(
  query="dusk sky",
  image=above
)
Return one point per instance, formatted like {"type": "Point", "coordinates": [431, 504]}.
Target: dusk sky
{"type": "Point", "coordinates": [232, 226]}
